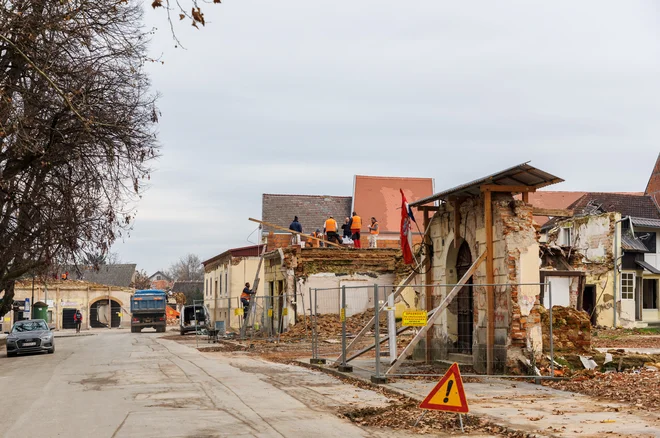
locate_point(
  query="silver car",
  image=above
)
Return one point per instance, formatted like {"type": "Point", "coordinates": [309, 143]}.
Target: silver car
{"type": "Point", "coordinates": [30, 336]}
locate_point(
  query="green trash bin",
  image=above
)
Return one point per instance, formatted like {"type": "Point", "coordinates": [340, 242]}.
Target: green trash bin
{"type": "Point", "coordinates": [40, 311]}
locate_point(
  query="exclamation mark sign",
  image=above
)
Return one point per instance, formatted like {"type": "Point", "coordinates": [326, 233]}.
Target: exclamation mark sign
{"type": "Point", "coordinates": [449, 386]}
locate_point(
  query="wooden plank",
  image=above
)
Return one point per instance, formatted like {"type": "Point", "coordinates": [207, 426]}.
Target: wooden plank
{"type": "Point", "coordinates": [428, 208]}
{"type": "Point", "coordinates": [525, 197]}
{"type": "Point", "coordinates": [490, 279]}
{"type": "Point", "coordinates": [277, 227]}
{"type": "Point", "coordinates": [552, 212]}
{"type": "Point", "coordinates": [428, 292]}
{"type": "Point", "coordinates": [457, 222]}
{"type": "Point", "coordinates": [510, 189]}
{"type": "Point", "coordinates": [435, 314]}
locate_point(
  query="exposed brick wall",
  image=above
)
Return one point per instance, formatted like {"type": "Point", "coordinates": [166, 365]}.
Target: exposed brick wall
{"type": "Point", "coordinates": [571, 330]}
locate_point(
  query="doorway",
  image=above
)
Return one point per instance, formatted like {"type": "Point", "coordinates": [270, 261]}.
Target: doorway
{"type": "Point", "coordinates": [67, 319]}
{"type": "Point", "coordinates": [589, 302]}
{"type": "Point", "coordinates": [465, 303]}
{"type": "Point", "coordinates": [98, 314]}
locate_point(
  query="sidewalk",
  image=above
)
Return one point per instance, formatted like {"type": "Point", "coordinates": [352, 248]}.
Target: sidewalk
{"type": "Point", "coordinates": [535, 409]}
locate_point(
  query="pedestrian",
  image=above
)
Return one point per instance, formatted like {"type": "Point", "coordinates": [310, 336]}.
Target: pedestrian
{"type": "Point", "coordinates": [330, 230]}
{"type": "Point", "coordinates": [346, 228]}
{"type": "Point", "coordinates": [356, 226]}
{"type": "Point", "coordinates": [373, 233]}
{"type": "Point", "coordinates": [295, 226]}
{"type": "Point", "coordinates": [246, 296]}
{"type": "Point", "coordinates": [77, 319]}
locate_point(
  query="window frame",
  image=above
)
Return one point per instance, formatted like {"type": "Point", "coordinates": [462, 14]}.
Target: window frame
{"type": "Point", "coordinates": [627, 295]}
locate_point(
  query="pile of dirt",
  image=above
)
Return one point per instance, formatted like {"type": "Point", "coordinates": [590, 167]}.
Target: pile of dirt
{"type": "Point", "coordinates": [404, 415]}
{"type": "Point", "coordinates": [571, 329]}
{"type": "Point", "coordinates": [330, 325]}
{"type": "Point", "coordinates": [638, 388]}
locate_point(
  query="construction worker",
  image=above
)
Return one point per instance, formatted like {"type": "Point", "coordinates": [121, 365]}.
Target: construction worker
{"type": "Point", "coordinates": [330, 230]}
{"type": "Point", "coordinates": [312, 242]}
{"type": "Point", "coordinates": [295, 226]}
{"type": "Point", "coordinates": [373, 233]}
{"type": "Point", "coordinates": [246, 296]}
{"type": "Point", "coordinates": [356, 226]}
{"type": "Point", "coordinates": [346, 228]}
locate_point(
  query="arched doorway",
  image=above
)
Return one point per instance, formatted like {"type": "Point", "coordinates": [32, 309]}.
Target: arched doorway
{"type": "Point", "coordinates": [465, 303]}
{"type": "Point", "coordinates": [99, 317]}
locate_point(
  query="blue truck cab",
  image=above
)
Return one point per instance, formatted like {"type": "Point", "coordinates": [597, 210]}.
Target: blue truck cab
{"type": "Point", "coordinates": [149, 310]}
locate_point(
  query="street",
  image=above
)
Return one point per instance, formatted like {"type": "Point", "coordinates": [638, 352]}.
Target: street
{"type": "Point", "coordinates": [118, 384]}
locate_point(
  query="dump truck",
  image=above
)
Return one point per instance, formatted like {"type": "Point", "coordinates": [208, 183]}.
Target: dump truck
{"type": "Point", "coordinates": [148, 308]}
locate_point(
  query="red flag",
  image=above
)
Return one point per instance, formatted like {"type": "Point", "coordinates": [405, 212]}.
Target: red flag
{"type": "Point", "coordinates": [406, 231]}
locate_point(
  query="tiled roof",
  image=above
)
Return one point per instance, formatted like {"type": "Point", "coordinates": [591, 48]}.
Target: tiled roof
{"type": "Point", "coordinates": [627, 205]}
{"type": "Point", "coordinates": [110, 275]}
{"type": "Point", "coordinates": [312, 211]}
{"type": "Point", "coordinates": [162, 274]}
{"type": "Point", "coordinates": [188, 286]}
{"type": "Point", "coordinates": [246, 251]}
{"type": "Point", "coordinates": [379, 196]}
{"type": "Point", "coordinates": [643, 222]}
{"type": "Point", "coordinates": [630, 243]}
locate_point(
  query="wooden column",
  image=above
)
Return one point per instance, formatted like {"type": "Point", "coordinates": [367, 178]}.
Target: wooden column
{"type": "Point", "coordinates": [428, 279]}
{"type": "Point", "coordinates": [490, 279]}
{"type": "Point", "coordinates": [457, 222]}
{"type": "Point", "coordinates": [525, 197]}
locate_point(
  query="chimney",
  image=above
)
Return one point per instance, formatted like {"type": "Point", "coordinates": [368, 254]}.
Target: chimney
{"type": "Point", "coordinates": [653, 187]}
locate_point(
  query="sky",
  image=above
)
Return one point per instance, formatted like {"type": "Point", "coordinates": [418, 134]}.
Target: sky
{"type": "Point", "coordinates": [297, 96]}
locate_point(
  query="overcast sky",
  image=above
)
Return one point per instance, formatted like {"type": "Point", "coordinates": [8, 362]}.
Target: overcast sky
{"type": "Point", "coordinates": [297, 96]}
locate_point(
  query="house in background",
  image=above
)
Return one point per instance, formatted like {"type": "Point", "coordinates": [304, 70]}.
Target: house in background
{"type": "Point", "coordinates": [607, 230]}
{"type": "Point", "coordinates": [225, 276]}
{"type": "Point", "coordinates": [161, 281]}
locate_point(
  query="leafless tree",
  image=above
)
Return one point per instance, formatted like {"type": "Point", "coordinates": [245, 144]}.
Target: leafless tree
{"type": "Point", "coordinates": [187, 268]}
{"type": "Point", "coordinates": [141, 280]}
{"type": "Point", "coordinates": [77, 130]}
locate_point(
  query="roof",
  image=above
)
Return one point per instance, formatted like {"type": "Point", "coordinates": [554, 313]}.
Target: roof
{"type": "Point", "coordinates": [245, 251]}
{"type": "Point", "coordinates": [312, 210]}
{"type": "Point", "coordinates": [188, 286]}
{"type": "Point", "coordinates": [161, 273]}
{"type": "Point", "coordinates": [520, 175]}
{"type": "Point", "coordinates": [647, 223]}
{"type": "Point", "coordinates": [652, 269]}
{"type": "Point", "coordinates": [631, 244]}
{"type": "Point", "coordinates": [109, 275]}
{"type": "Point", "coordinates": [380, 197]}
{"type": "Point", "coordinates": [637, 206]}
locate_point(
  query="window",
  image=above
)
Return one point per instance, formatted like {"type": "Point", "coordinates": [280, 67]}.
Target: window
{"type": "Point", "coordinates": [216, 288]}
{"type": "Point", "coordinates": [226, 282]}
{"type": "Point", "coordinates": [158, 278]}
{"type": "Point", "coordinates": [565, 237]}
{"type": "Point", "coordinates": [220, 290]}
{"type": "Point", "coordinates": [628, 286]}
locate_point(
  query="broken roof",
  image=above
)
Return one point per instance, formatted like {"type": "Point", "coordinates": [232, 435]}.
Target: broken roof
{"type": "Point", "coordinates": [245, 251]}
{"type": "Point", "coordinates": [520, 175]}
{"type": "Point", "coordinates": [640, 207]}
{"type": "Point", "coordinates": [631, 244]}
{"type": "Point", "coordinates": [379, 196]}
{"type": "Point", "coordinates": [312, 210]}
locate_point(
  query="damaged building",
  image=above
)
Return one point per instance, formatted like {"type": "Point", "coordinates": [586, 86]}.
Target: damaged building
{"type": "Point", "coordinates": [494, 320]}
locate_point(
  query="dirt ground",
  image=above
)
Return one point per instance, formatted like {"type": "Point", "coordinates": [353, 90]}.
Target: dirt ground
{"type": "Point", "coordinates": [625, 338]}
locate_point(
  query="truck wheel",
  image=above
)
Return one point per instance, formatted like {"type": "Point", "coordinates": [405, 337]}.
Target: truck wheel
{"type": "Point", "coordinates": [181, 332]}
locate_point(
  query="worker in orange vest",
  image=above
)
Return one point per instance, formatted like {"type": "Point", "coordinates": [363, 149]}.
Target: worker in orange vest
{"type": "Point", "coordinates": [356, 226]}
{"type": "Point", "coordinates": [330, 229]}
{"type": "Point", "coordinates": [373, 233]}
{"type": "Point", "coordinates": [312, 242]}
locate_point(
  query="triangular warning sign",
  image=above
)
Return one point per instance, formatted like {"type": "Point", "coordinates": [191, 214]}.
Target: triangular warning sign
{"type": "Point", "coordinates": [448, 395]}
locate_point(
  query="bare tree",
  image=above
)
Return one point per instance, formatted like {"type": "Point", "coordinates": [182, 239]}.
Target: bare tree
{"type": "Point", "coordinates": [187, 268]}
{"type": "Point", "coordinates": [76, 130]}
{"type": "Point", "coordinates": [141, 280]}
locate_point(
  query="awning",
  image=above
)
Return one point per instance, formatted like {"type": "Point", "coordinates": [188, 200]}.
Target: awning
{"type": "Point", "coordinates": [632, 244]}
{"type": "Point", "coordinates": [644, 222]}
{"type": "Point", "coordinates": [648, 267]}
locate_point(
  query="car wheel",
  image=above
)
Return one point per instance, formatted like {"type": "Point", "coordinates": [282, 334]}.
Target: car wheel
{"type": "Point", "coordinates": [52, 350]}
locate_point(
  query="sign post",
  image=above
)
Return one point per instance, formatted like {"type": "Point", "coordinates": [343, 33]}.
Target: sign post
{"type": "Point", "coordinates": [26, 309]}
{"type": "Point", "coordinates": [448, 395]}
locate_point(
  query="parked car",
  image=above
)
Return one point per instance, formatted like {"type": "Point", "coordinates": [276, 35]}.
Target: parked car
{"type": "Point", "coordinates": [30, 336]}
{"type": "Point", "coordinates": [194, 318]}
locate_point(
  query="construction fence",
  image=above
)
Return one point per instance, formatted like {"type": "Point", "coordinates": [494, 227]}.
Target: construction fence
{"type": "Point", "coordinates": [278, 317]}
{"type": "Point", "coordinates": [387, 331]}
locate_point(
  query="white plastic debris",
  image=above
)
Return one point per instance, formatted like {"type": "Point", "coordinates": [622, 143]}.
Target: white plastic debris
{"type": "Point", "coordinates": [608, 358]}
{"type": "Point", "coordinates": [588, 363]}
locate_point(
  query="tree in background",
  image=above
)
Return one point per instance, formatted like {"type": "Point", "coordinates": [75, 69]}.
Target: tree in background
{"type": "Point", "coordinates": [141, 280]}
{"type": "Point", "coordinates": [187, 268]}
{"type": "Point", "coordinates": [76, 130]}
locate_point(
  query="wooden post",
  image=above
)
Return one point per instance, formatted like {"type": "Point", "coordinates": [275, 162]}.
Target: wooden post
{"type": "Point", "coordinates": [428, 279]}
{"type": "Point", "coordinates": [457, 222]}
{"type": "Point", "coordinates": [490, 279]}
{"type": "Point", "coordinates": [525, 197]}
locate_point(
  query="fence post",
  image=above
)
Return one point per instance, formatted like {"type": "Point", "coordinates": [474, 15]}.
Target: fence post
{"type": "Point", "coordinates": [315, 335]}
{"type": "Point", "coordinates": [344, 367]}
{"type": "Point", "coordinates": [377, 378]}
{"type": "Point", "coordinates": [552, 343]}
{"type": "Point", "coordinates": [391, 327]}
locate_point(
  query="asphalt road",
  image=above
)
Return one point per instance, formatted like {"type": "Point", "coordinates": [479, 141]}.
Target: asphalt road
{"type": "Point", "coordinates": [118, 384]}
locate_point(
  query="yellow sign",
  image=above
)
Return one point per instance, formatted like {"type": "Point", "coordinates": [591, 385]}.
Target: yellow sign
{"type": "Point", "coordinates": [448, 395]}
{"type": "Point", "coordinates": [342, 315]}
{"type": "Point", "coordinates": [270, 313]}
{"type": "Point", "coordinates": [119, 314]}
{"type": "Point", "coordinates": [285, 311]}
{"type": "Point", "coordinates": [238, 312]}
{"type": "Point", "coordinates": [415, 318]}
{"type": "Point", "coordinates": [7, 318]}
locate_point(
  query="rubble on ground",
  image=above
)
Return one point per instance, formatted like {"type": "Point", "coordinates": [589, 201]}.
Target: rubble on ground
{"type": "Point", "coordinates": [330, 325]}
{"type": "Point", "coordinates": [571, 329]}
{"type": "Point", "coordinates": [625, 338]}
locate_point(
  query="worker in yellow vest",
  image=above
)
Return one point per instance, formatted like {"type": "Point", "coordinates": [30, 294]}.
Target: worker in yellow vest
{"type": "Point", "coordinates": [373, 233]}
{"type": "Point", "coordinates": [330, 229]}
{"type": "Point", "coordinates": [356, 226]}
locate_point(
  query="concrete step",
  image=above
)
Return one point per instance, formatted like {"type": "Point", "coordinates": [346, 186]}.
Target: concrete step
{"type": "Point", "coordinates": [461, 359]}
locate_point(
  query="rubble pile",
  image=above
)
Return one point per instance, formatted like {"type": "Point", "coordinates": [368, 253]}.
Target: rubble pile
{"type": "Point", "coordinates": [329, 325]}
{"type": "Point", "coordinates": [571, 329]}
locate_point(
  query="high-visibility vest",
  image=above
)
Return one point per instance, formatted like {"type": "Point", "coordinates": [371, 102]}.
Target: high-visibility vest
{"type": "Point", "coordinates": [330, 225]}
{"type": "Point", "coordinates": [374, 232]}
{"type": "Point", "coordinates": [357, 223]}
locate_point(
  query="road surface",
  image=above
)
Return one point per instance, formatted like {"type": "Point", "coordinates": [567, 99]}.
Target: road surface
{"type": "Point", "coordinates": [118, 384]}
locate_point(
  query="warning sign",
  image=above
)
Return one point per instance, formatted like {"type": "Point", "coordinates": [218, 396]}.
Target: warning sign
{"type": "Point", "coordinates": [342, 315]}
{"type": "Point", "coordinates": [448, 395]}
{"type": "Point", "coordinates": [270, 313]}
{"type": "Point", "coordinates": [285, 311]}
{"type": "Point", "coordinates": [415, 318]}
{"type": "Point", "coordinates": [238, 312]}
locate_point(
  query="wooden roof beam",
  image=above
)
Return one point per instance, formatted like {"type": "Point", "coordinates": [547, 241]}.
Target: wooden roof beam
{"type": "Point", "coordinates": [507, 189]}
{"type": "Point", "coordinates": [552, 212]}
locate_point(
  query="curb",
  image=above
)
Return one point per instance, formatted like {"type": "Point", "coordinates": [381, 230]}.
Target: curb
{"type": "Point", "coordinates": [81, 335]}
